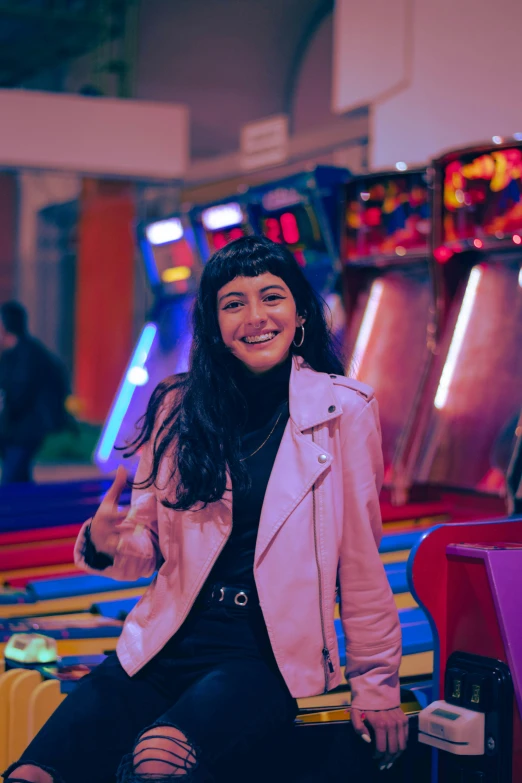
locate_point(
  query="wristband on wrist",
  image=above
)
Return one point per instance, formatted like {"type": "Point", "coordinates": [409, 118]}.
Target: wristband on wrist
{"type": "Point", "coordinates": [93, 558]}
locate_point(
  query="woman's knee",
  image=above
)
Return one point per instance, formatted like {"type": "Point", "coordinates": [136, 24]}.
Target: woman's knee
{"type": "Point", "coordinates": [164, 752]}
{"type": "Point", "coordinates": [29, 773]}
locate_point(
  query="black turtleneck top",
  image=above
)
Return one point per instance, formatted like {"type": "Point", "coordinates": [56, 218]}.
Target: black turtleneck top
{"type": "Point", "coordinates": [267, 404]}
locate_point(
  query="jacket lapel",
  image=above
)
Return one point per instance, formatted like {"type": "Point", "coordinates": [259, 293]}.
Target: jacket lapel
{"type": "Point", "coordinates": [299, 461]}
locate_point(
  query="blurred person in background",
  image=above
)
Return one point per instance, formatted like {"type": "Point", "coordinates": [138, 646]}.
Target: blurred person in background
{"type": "Point", "coordinates": [33, 389]}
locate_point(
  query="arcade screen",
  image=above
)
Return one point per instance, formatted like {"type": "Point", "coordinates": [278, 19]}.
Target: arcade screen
{"type": "Point", "coordinates": [482, 195]}
{"type": "Point", "coordinates": [172, 257]}
{"type": "Point", "coordinates": [388, 215]}
{"type": "Point", "coordinates": [223, 223]}
{"type": "Point", "coordinates": [287, 216]}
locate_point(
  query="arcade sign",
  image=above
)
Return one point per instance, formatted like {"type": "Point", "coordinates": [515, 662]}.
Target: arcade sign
{"type": "Point", "coordinates": [387, 215]}
{"type": "Point", "coordinates": [223, 223]}
{"type": "Point", "coordinates": [482, 196]}
{"type": "Point", "coordinates": [170, 261]}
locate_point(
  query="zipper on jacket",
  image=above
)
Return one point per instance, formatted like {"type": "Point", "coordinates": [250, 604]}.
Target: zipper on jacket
{"type": "Point", "coordinates": [327, 660]}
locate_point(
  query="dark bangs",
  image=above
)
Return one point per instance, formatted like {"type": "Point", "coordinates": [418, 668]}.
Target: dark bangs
{"type": "Point", "coordinates": [249, 257]}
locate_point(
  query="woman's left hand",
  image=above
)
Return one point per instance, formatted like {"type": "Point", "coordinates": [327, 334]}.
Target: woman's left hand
{"type": "Point", "coordinates": [391, 732]}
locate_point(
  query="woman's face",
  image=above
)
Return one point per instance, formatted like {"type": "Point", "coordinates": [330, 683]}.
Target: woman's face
{"type": "Point", "coordinates": [258, 318]}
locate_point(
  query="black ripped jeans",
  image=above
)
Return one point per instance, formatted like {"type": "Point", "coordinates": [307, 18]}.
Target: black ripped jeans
{"type": "Point", "coordinates": [216, 681]}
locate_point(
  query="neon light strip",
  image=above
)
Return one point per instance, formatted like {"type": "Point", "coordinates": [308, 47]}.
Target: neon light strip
{"type": "Point", "coordinates": [366, 327]}
{"type": "Point", "coordinates": [457, 339]}
{"type": "Point", "coordinates": [124, 396]}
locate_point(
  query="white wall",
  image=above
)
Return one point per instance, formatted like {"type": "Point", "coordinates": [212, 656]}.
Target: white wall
{"type": "Point", "coordinates": [93, 135]}
{"type": "Point", "coordinates": [311, 105]}
{"type": "Point", "coordinates": [436, 74]}
{"type": "Point", "coordinates": [371, 52]}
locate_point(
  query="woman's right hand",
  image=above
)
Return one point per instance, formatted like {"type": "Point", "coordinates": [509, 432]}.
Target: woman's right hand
{"type": "Point", "coordinates": [104, 532]}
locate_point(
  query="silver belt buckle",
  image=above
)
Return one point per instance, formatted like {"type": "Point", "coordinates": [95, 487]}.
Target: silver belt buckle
{"type": "Point", "coordinates": [241, 599]}
{"type": "Point", "coordinates": [221, 594]}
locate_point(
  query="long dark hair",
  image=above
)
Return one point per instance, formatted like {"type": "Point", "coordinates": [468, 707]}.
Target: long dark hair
{"type": "Point", "coordinates": [200, 426]}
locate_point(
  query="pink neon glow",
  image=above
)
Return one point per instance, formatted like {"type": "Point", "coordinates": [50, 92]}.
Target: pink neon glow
{"type": "Point", "coordinates": [273, 230]}
{"type": "Point", "coordinates": [289, 228]}
{"type": "Point", "coordinates": [517, 239]}
{"type": "Point", "coordinates": [442, 254]}
{"type": "Point", "coordinates": [219, 240]}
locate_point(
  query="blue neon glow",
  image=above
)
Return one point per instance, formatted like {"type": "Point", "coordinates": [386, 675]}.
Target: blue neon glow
{"type": "Point", "coordinates": [125, 392]}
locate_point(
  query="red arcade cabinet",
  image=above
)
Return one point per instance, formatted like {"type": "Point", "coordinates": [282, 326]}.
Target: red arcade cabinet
{"type": "Point", "coordinates": [388, 292]}
{"type": "Point", "coordinates": [468, 579]}
{"type": "Point", "coordinates": [461, 435]}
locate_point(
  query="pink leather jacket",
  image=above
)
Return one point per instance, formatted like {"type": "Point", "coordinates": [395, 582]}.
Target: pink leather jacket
{"type": "Point", "coordinates": [320, 520]}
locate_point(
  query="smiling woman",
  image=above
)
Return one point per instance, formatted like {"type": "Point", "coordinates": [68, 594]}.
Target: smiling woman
{"type": "Point", "coordinates": [258, 319]}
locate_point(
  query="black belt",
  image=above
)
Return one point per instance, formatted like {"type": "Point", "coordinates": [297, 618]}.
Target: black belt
{"type": "Point", "coordinates": [223, 595]}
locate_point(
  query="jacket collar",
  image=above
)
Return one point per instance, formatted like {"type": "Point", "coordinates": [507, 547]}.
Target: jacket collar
{"type": "Point", "coordinates": [312, 402]}
{"type": "Point", "coordinates": [311, 396]}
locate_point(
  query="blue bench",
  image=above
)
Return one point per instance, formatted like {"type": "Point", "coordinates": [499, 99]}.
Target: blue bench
{"type": "Point", "coordinates": [66, 587]}
{"type": "Point", "coordinates": [72, 489]}
{"type": "Point", "coordinates": [396, 573]}
{"type": "Point", "coordinates": [48, 589]}
{"type": "Point", "coordinates": [24, 515]}
{"type": "Point", "coordinates": [397, 542]}
{"type": "Point", "coordinates": [116, 610]}
{"type": "Point", "coordinates": [416, 633]}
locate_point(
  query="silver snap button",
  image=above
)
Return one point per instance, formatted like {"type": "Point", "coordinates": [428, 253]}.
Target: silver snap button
{"type": "Point", "coordinates": [322, 458]}
{"type": "Point", "coordinates": [241, 599]}
{"type": "Point", "coordinates": [331, 409]}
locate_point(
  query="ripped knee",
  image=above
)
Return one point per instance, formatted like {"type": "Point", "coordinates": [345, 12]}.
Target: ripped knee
{"type": "Point", "coordinates": [29, 773]}
{"type": "Point", "coordinates": [163, 752]}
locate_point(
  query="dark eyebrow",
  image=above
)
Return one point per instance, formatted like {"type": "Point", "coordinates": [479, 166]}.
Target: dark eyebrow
{"type": "Point", "coordinates": [274, 285]}
{"type": "Point", "coordinates": [232, 293]}
{"type": "Point", "coordinates": [261, 290]}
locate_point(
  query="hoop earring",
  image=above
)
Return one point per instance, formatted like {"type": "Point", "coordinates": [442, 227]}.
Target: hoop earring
{"type": "Point", "coordinates": [298, 345]}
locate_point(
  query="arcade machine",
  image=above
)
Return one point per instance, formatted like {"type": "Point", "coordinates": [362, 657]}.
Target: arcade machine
{"type": "Point", "coordinates": [303, 212]}
{"type": "Point", "coordinates": [217, 224]}
{"type": "Point", "coordinates": [173, 270]}
{"type": "Point", "coordinates": [468, 578]}
{"type": "Point", "coordinates": [389, 292]}
{"type": "Point", "coordinates": [462, 435]}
